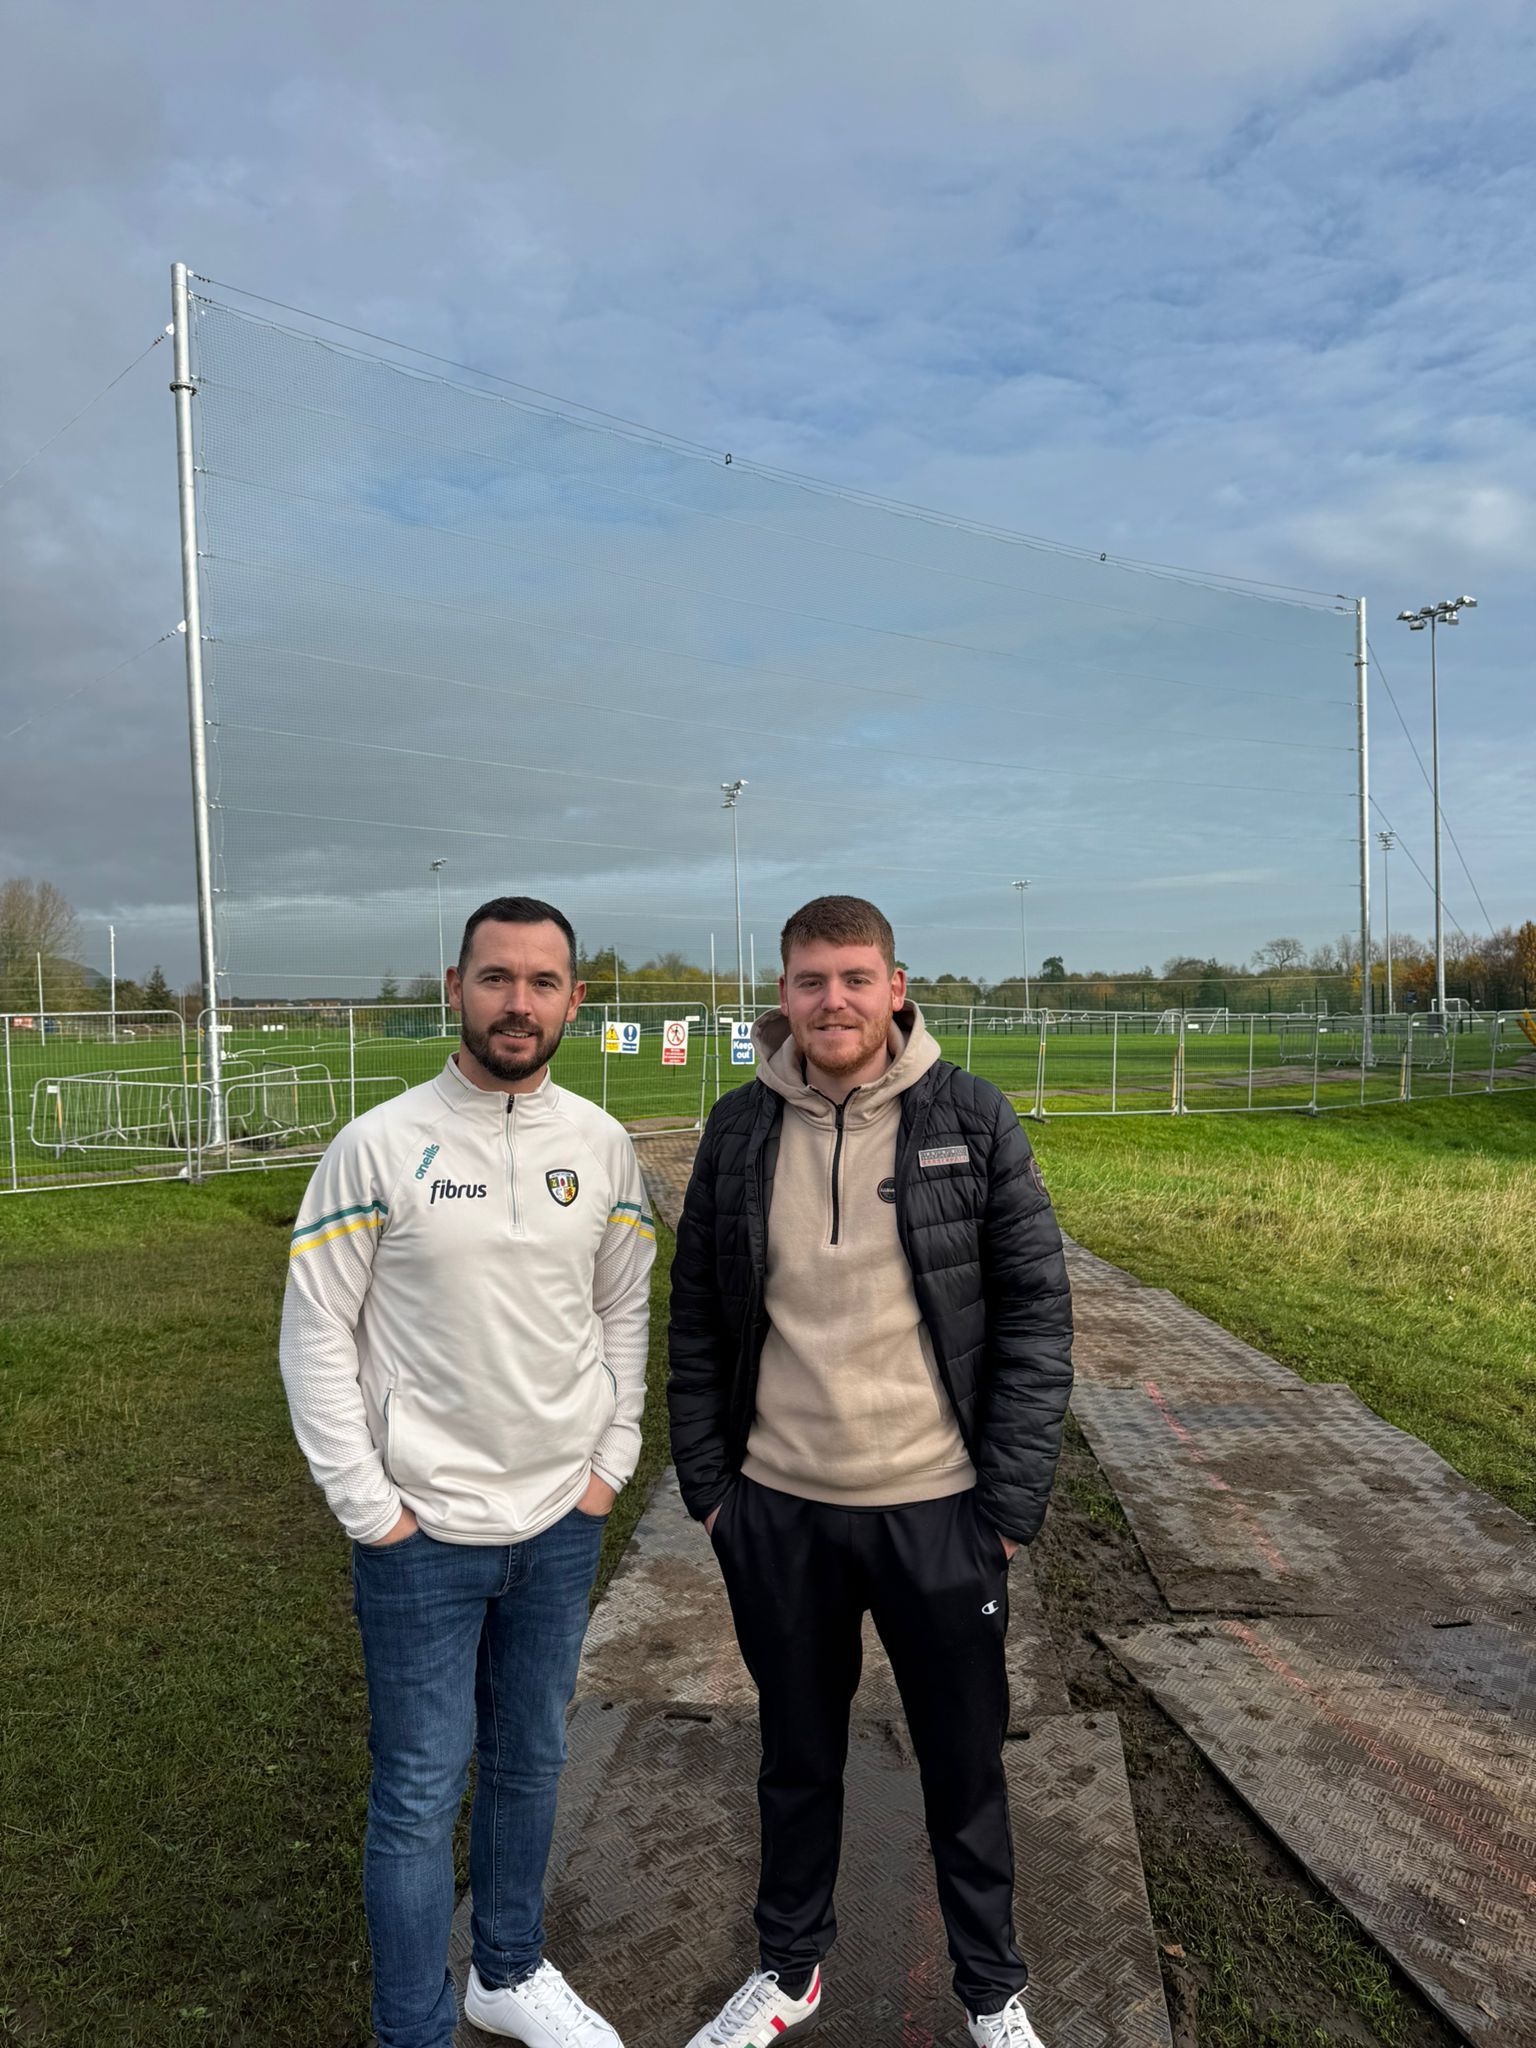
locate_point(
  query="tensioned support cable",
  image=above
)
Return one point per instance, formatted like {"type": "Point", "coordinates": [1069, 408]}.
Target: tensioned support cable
{"type": "Point", "coordinates": [59, 432]}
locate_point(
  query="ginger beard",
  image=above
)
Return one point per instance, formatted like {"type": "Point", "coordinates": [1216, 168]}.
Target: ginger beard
{"type": "Point", "coordinates": [839, 1042]}
{"type": "Point", "coordinates": [839, 1000]}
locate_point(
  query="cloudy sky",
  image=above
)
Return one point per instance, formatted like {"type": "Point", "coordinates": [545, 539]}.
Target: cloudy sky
{"type": "Point", "coordinates": [1244, 289]}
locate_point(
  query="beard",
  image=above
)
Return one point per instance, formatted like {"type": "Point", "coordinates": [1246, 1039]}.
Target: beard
{"type": "Point", "coordinates": [512, 1066]}
{"type": "Point", "coordinates": [844, 1058]}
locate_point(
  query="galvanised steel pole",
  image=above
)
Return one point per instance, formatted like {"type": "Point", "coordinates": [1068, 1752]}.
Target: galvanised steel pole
{"type": "Point", "coordinates": [1434, 756]}
{"type": "Point", "coordinates": [112, 974]}
{"type": "Point", "coordinates": [1388, 841]}
{"type": "Point", "coordinates": [442, 978]}
{"type": "Point", "coordinates": [732, 796]}
{"type": "Point", "coordinates": [741, 997]}
{"type": "Point", "coordinates": [183, 390]}
{"type": "Point", "coordinates": [1024, 945]}
{"type": "Point", "coordinates": [10, 1100]}
{"type": "Point", "coordinates": [1362, 671]}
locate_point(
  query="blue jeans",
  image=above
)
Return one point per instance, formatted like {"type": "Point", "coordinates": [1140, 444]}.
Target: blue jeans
{"type": "Point", "coordinates": [466, 1646]}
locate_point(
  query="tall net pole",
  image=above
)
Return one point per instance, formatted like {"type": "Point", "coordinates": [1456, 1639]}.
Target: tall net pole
{"type": "Point", "coordinates": [1363, 738]}
{"type": "Point", "coordinates": [183, 390]}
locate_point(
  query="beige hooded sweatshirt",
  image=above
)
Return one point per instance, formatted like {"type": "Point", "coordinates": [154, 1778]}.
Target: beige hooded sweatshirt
{"type": "Point", "coordinates": [850, 1407]}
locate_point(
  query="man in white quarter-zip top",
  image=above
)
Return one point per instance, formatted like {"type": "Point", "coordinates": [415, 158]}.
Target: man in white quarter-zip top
{"type": "Point", "coordinates": [464, 1346]}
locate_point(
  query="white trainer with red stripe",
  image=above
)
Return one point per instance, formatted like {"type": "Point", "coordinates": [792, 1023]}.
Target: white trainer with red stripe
{"type": "Point", "coordinates": [1009, 2028]}
{"type": "Point", "coordinates": [760, 2015]}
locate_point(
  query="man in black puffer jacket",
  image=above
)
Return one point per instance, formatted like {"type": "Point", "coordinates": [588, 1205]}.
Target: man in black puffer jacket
{"type": "Point", "coordinates": [871, 1357]}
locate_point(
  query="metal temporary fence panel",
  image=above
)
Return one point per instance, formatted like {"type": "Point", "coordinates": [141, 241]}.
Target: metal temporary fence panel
{"type": "Point", "coordinates": [1400, 1771]}
{"type": "Point", "coordinates": [292, 1075]}
{"type": "Point", "coordinates": [93, 1097]}
{"type": "Point", "coordinates": [623, 1056]}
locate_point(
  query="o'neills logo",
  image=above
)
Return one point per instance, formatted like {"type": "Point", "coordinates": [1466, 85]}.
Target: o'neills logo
{"type": "Point", "coordinates": [455, 1191]}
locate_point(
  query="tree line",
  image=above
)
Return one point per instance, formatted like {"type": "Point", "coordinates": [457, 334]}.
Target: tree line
{"type": "Point", "coordinates": [1494, 972]}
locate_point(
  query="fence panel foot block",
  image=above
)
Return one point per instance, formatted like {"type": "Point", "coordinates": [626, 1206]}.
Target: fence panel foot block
{"type": "Point", "coordinates": [1401, 1773]}
{"type": "Point", "coordinates": [1303, 1503]}
{"type": "Point", "coordinates": [655, 1864]}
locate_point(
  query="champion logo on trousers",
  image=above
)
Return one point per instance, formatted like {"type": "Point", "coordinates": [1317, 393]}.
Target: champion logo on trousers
{"type": "Point", "coordinates": [991, 1607]}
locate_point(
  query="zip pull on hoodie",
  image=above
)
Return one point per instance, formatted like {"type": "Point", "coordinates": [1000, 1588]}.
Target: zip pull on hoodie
{"type": "Point", "coordinates": [850, 1407]}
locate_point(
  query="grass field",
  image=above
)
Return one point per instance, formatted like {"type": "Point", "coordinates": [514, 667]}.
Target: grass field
{"type": "Point", "coordinates": [182, 1768]}
{"type": "Point", "coordinates": [181, 1757]}
{"type": "Point", "coordinates": [1394, 1249]}
{"type": "Point", "coordinates": [83, 1106]}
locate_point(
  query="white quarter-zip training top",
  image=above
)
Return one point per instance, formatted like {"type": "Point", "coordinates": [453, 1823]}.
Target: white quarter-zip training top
{"type": "Point", "coordinates": [465, 1326]}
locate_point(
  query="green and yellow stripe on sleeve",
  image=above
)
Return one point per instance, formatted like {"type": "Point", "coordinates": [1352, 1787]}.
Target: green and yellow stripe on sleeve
{"type": "Point", "coordinates": [633, 1217]}
{"type": "Point", "coordinates": [339, 1223]}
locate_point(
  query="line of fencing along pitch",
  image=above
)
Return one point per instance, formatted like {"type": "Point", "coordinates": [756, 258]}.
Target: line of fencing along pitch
{"type": "Point", "coordinates": [89, 1098]}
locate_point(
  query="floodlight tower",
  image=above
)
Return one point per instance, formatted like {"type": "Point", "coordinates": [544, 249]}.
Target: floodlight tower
{"type": "Point", "coordinates": [437, 867]}
{"type": "Point", "coordinates": [1388, 841]}
{"type": "Point", "coordinates": [732, 792]}
{"type": "Point", "coordinates": [1445, 613]}
{"type": "Point", "coordinates": [1023, 888]}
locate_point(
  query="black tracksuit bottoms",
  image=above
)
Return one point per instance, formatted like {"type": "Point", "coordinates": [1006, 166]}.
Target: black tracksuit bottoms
{"type": "Point", "coordinates": [801, 1576]}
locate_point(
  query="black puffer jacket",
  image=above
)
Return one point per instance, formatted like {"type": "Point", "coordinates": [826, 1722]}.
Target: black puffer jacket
{"type": "Point", "coordinates": [987, 1265]}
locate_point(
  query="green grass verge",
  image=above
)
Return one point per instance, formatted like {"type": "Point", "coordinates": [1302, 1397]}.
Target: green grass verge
{"type": "Point", "coordinates": [182, 1761]}
{"type": "Point", "coordinates": [1394, 1249]}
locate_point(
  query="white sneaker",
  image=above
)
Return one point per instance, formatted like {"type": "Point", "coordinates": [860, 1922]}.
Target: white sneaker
{"type": "Point", "coordinates": [543, 2011]}
{"type": "Point", "coordinates": [1009, 2028]}
{"type": "Point", "coordinates": [760, 2014]}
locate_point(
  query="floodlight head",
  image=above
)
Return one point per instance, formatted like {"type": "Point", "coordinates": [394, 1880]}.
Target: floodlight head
{"type": "Point", "coordinates": [1466, 604]}
{"type": "Point", "coordinates": [1426, 611]}
{"type": "Point", "coordinates": [1449, 619]}
{"type": "Point", "coordinates": [1409, 616]}
{"type": "Point", "coordinates": [1417, 626]}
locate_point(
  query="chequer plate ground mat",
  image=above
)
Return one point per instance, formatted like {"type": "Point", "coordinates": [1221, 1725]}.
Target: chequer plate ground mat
{"type": "Point", "coordinates": [655, 1863]}
{"type": "Point", "coordinates": [1401, 1773]}
{"type": "Point", "coordinates": [1302, 1503]}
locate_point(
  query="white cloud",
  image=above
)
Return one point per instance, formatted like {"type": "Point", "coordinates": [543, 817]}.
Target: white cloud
{"type": "Point", "coordinates": [1247, 287]}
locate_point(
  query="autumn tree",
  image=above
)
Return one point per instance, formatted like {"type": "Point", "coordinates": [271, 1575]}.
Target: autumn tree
{"type": "Point", "coordinates": [1525, 960]}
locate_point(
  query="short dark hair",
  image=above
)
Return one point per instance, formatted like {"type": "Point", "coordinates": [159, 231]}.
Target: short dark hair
{"type": "Point", "coordinates": [517, 910]}
{"type": "Point", "coordinates": [841, 921]}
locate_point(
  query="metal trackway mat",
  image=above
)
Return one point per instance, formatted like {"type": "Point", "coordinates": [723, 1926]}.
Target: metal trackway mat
{"type": "Point", "coordinates": [655, 1864]}
{"type": "Point", "coordinates": [664, 1630]}
{"type": "Point", "coordinates": [1124, 1336]}
{"type": "Point", "coordinates": [1303, 1503]}
{"type": "Point", "coordinates": [666, 1162]}
{"type": "Point", "coordinates": [1402, 1776]}
{"type": "Point", "coordinates": [1087, 1269]}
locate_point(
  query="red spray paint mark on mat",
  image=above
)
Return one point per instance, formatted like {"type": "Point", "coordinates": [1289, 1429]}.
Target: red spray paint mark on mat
{"type": "Point", "coordinates": [1365, 1738]}
{"type": "Point", "coordinates": [1257, 1534]}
